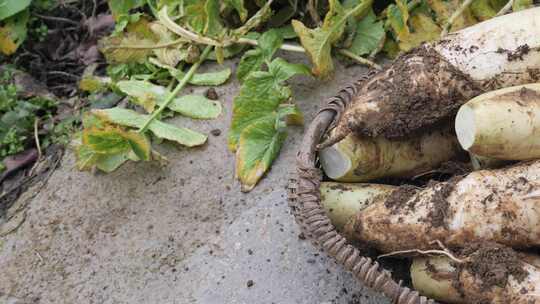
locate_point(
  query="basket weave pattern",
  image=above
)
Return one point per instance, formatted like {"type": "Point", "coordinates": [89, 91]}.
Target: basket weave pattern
{"type": "Point", "coordinates": [305, 203]}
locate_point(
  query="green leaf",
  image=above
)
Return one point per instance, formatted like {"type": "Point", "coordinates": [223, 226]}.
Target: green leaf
{"type": "Point", "coordinates": [13, 32]}
{"type": "Point", "coordinates": [122, 7]}
{"type": "Point", "coordinates": [291, 114]}
{"type": "Point", "coordinates": [318, 42]}
{"type": "Point", "coordinates": [213, 26]}
{"type": "Point", "coordinates": [283, 70]}
{"type": "Point", "coordinates": [205, 79]}
{"type": "Point", "coordinates": [140, 145]}
{"type": "Point", "coordinates": [129, 118]}
{"type": "Point", "coordinates": [259, 96]}
{"type": "Point", "coordinates": [251, 61]}
{"type": "Point", "coordinates": [269, 43]}
{"type": "Point", "coordinates": [482, 9]}
{"type": "Point", "coordinates": [195, 15]}
{"type": "Point", "coordinates": [259, 145]}
{"type": "Point", "coordinates": [196, 106]}
{"type": "Point", "coordinates": [85, 157]}
{"type": "Point", "coordinates": [143, 93]}
{"type": "Point", "coordinates": [369, 33]}
{"type": "Point", "coordinates": [238, 5]}
{"type": "Point", "coordinates": [105, 141]}
{"type": "Point", "coordinates": [9, 8]}
{"type": "Point", "coordinates": [109, 163]}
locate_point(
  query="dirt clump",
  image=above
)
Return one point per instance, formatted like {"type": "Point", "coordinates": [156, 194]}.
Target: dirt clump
{"type": "Point", "coordinates": [400, 198]}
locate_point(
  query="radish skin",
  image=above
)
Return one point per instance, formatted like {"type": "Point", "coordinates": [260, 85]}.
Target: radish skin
{"type": "Point", "coordinates": [428, 84]}
{"type": "Point", "coordinates": [434, 277]}
{"type": "Point", "coordinates": [500, 205]}
{"type": "Point", "coordinates": [342, 200]}
{"type": "Point", "coordinates": [503, 124]}
{"type": "Point", "coordinates": [359, 159]}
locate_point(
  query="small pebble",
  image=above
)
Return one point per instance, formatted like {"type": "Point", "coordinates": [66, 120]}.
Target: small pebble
{"type": "Point", "coordinates": [211, 94]}
{"type": "Point", "coordinates": [250, 283]}
{"type": "Point", "coordinates": [216, 132]}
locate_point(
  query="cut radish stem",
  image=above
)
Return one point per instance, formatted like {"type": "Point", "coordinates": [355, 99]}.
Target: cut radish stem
{"type": "Point", "coordinates": [358, 159]}
{"type": "Point", "coordinates": [481, 162]}
{"type": "Point", "coordinates": [430, 83]}
{"type": "Point", "coordinates": [503, 124]}
{"type": "Point", "coordinates": [343, 200]}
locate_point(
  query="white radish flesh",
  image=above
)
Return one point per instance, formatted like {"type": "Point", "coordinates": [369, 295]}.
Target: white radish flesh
{"type": "Point", "coordinates": [359, 159]}
{"type": "Point", "coordinates": [493, 205]}
{"type": "Point", "coordinates": [503, 124]}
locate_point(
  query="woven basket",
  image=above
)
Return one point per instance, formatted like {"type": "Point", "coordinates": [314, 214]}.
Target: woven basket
{"type": "Point", "coordinates": [305, 202]}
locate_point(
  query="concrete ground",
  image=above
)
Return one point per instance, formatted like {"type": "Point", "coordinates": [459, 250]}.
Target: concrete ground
{"type": "Point", "coordinates": [179, 234]}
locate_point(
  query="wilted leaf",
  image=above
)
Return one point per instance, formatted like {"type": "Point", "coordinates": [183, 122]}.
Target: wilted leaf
{"type": "Point", "coordinates": [93, 84]}
{"type": "Point", "coordinates": [143, 93]}
{"type": "Point", "coordinates": [444, 9]}
{"type": "Point", "coordinates": [9, 8]}
{"type": "Point", "coordinates": [172, 55]}
{"type": "Point", "coordinates": [126, 48]}
{"type": "Point", "coordinates": [318, 42]}
{"type": "Point", "coordinates": [369, 33]}
{"type": "Point", "coordinates": [129, 118]}
{"type": "Point", "coordinates": [13, 33]}
{"type": "Point", "coordinates": [213, 26]}
{"type": "Point", "coordinates": [398, 16]}
{"type": "Point", "coordinates": [423, 29]}
{"type": "Point", "coordinates": [258, 146]}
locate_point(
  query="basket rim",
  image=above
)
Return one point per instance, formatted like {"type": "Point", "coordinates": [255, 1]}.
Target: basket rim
{"type": "Point", "coordinates": [305, 203]}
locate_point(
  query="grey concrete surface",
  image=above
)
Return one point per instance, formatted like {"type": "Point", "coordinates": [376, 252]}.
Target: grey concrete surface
{"type": "Point", "coordinates": [179, 234]}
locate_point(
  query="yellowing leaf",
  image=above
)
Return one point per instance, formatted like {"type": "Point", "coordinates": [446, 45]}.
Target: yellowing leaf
{"type": "Point", "coordinates": [258, 146]}
{"type": "Point", "coordinates": [483, 9]}
{"type": "Point", "coordinates": [318, 42]}
{"type": "Point", "coordinates": [398, 16]}
{"type": "Point", "coordinates": [13, 32]}
{"type": "Point", "coordinates": [424, 29]}
{"type": "Point", "coordinates": [172, 55]}
{"type": "Point", "coordinates": [444, 9]}
{"type": "Point", "coordinates": [126, 49]}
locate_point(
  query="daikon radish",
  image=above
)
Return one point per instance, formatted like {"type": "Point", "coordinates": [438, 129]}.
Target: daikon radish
{"type": "Point", "coordinates": [503, 124]}
{"type": "Point", "coordinates": [359, 159]}
{"type": "Point", "coordinates": [430, 83]}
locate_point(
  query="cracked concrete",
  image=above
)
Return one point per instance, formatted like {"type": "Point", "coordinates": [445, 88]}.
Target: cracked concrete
{"type": "Point", "coordinates": [179, 234]}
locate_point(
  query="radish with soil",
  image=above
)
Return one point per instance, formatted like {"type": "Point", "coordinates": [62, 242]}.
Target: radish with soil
{"type": "Point", "coordinates": [488, 274]}
{"type": "Point", "coordinates": [431, 82]}
{"type": "Point", "coordinates": [490, 205]}
{"type": "Point", "coordinates": [503, 124]}
{"type": "Point", "coordinates": [359, 159]}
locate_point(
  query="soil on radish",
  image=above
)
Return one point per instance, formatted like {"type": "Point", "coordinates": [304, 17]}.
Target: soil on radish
{"type": "Point", "coordinates": [437, 215]}
{"type": "Point", "coordinates": [518, 54]}
{"type": "Point", "coordinates": [412, 95]}
{"type": "Point", "coordinates": [492, 263]}
{"type": "Point", "coordinates": [398, 198]}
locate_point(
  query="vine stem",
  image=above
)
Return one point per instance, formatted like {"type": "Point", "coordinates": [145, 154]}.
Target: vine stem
{"type": "Point", "coordinates": [178, 88]}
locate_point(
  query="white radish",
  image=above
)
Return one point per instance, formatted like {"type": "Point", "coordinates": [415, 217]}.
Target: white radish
{"type": "Point", "coordinates": [343, 200]}
{"type": "Point", "coordinates": [503, 124]}
{"type": "Point", "coordinates": [500, 205]}
{"type": "Point", "coordinates": [359, 159]}
{"type": "Point", "coordinates": [429, 84]}
{"type": "Point", "coordinates": [493, 275]}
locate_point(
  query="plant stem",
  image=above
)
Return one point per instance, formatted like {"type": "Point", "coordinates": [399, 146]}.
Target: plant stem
{"type": "Point", "coordinates": [454, 16]}
{"type": "Point", "coordinates": [359, 59]}
{"type": "Point", "coordinates": [506, 8]}
{"type": "Point", "coordinates": [178, 88]}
